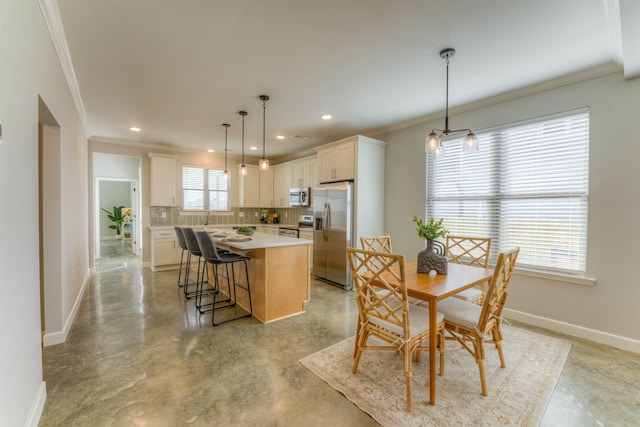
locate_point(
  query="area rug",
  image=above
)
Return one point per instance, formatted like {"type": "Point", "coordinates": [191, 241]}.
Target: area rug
{"type": "Point", "coordinates": [518, 394]}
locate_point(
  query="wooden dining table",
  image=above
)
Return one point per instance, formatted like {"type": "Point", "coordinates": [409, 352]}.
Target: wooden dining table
{"type": "Point", "coordinates": [433, 288]}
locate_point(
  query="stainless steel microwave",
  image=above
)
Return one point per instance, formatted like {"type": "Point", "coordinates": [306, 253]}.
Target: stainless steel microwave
{"type": "Point", "coordinates": [299, 196]}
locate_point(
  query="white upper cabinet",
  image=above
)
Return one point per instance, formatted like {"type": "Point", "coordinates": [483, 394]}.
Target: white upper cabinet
{"type": "Point", "coordinates": [281, 185]}
{"type": "Point", "coordinates": [337, 162]}
{"type": "Point", "coordinates": [301, 173]}
{"type": "Point", "coordinates": [163, 180]}
{"type": "Point", "coordinates": [248, 187]}
{"type": "Point", "coordinates": [266, 188]}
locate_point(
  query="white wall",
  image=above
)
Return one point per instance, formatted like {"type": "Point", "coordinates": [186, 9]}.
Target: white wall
{"type": "Point", "coordinates": [29, 68]}
{"type": "Point", "coordinates": [607, 311]}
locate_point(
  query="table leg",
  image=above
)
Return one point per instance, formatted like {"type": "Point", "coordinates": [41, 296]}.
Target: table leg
{"type": "Point", "coordinates": [433, 316]}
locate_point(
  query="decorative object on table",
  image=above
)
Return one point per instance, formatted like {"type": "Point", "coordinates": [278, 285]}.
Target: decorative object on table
{"type": "Point", "coordinates": [117, 217]}
{"type": "Point", "coordinates": [429, 259]}
{"type": "Point", "coordinates": [519, 395]}
{"type": "Point", "coordinates": [247, 231]}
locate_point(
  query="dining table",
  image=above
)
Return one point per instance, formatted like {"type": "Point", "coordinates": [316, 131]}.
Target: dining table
{"type": "Point", "coordinates": [435, 287]}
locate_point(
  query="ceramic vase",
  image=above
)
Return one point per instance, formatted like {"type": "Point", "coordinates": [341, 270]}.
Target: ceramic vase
{"type": "Point", "coordinates": [429, 260]}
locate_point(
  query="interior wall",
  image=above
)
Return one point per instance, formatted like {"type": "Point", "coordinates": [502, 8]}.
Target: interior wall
{"type": "Point", "coordinates": [609, 308]}
{"type": "Point", "coordinates": [30, 68]}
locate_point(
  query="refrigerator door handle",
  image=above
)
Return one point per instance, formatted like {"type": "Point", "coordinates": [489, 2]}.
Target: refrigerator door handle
{"type": "Point", "coordinates": [328, 219]}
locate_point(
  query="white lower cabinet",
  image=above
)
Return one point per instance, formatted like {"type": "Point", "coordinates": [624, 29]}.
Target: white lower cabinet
{"type": "Point", "coordinates": [165, 251]}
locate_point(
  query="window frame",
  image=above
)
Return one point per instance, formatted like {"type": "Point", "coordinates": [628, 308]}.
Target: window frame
{"type": "Point", "coordinates": [496, 220]}
{"type": "Point", "coordinates": [205, 189]}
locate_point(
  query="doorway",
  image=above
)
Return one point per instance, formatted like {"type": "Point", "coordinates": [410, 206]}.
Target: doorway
{"type": "Point", "coordinates": [116, 185]}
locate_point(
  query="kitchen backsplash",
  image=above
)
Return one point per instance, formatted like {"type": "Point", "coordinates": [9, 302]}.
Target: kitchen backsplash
{"type": "Point", "coordinates": [165, 216]}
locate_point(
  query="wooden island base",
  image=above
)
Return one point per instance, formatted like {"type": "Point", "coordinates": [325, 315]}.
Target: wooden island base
{"type": "Point", "coordinates": [280, 281]}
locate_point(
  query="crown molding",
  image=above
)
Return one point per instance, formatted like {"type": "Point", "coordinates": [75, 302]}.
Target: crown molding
{"type": "Point", "coordinates": [51, 15]}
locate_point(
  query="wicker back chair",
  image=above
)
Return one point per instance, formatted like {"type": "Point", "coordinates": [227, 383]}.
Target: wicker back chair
{"type": "Point", "coordinates": [385, 312]}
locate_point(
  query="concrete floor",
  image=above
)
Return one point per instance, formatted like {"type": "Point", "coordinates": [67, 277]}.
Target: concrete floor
{"type": "Point", "coordinates": [138, 355]}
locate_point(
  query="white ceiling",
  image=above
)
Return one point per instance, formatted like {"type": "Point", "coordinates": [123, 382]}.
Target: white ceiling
{"type": "Point", "coordinates": [180, 68]}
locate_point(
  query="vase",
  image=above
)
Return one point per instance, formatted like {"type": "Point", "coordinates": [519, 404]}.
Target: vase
{"type": "Point", "coordinates": [429, 260]}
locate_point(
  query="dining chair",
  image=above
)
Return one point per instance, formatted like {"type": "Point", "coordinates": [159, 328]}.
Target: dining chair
{"type": "Point", "coordinates": [469, 251]}
{"type": "Point", "coordinates": [469, 323]}
{"type": "Point", "coordinates": [385, 313]}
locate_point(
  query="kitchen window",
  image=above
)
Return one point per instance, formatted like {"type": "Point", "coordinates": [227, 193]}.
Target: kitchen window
{"type": "Point", "coordinates": [526, 186]}
{"type": "Point", "coordinates": [204, 189]}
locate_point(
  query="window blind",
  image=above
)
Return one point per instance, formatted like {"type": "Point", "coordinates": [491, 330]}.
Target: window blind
{"type": "Point", "coordinates": [204, 189]}
{"type": "Point", "coordinates": [526, 186]}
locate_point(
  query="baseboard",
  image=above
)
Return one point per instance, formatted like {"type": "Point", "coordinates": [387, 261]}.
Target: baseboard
{"type": "Point", "coordinates": [38, 406]}
{"type": "Point", "coordinates": [601, 337]}
{"type": "Point", "coordinates": [58, 337]}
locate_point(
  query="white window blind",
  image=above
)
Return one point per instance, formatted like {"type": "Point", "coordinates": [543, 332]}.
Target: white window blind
{"type": "Point", "coordinates": [526, 186]}
{"type": "Point", "coordinates": [204, 189]}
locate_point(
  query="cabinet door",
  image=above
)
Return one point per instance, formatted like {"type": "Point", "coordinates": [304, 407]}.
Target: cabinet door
{"type": "Point", "coordinates": [336, 163]}
{"type": "Point", "coordinates": [301, 174]}
{"type": "Point", "coordinates": [327, 160]}
{"type": "Point", "coordinates": [163, 180]}
{"type": "Point", "coordinates": [249, 187]}
{"type": "Point", "coordinates": [344, 162]}
{"type": "Point", "coordinates": [266, 188]}
{"type": "Point", "coordinates": [281, 185]}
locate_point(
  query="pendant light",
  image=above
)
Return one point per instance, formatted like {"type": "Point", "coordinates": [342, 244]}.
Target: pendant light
{"type": "Point", "coordinates": [433, 144]}
{"type": "Point", "coordinates": [226, 130]}
{"type": "Point", "coordinates": [243, 167]}
{"type": "Point", "coordinates": [264, 162]}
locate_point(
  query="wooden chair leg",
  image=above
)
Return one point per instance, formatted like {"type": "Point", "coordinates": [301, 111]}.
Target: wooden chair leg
{"type": "Point", "coordinates": [483, 380]}
{"type": "Point", "coordinates": [408, 356]}
{"type": "Point", "coordinates": [355, 345]}
{"type": "Point", "coordinates": [441, 347]}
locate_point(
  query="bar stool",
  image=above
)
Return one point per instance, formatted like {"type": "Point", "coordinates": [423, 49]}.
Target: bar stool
{"type": "Point", "coordinates": [217, 259]}
{"type": "Point", "coordinates": [194, 250]}
{"type": "Point", "coordinates": [183, 245]}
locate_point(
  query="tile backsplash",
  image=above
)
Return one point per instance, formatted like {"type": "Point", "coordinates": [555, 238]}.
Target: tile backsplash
{"type": "Point", "coordinates": [165, 216]}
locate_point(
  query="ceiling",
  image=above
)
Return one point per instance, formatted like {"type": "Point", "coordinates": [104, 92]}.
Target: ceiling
{"type": "Point", "coordinates": [179, 69]}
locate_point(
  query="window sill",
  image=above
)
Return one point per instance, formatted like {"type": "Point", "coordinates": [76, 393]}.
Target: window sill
{"type": "Point", "coordinates": [559, 277]}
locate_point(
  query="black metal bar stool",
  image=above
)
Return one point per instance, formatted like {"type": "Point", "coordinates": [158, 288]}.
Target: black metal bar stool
{"type": "Point", "coordinates": [194, 251]}
{"type": "Point", "coordinates": [217, 260]}
{"type": "Point", "coordinates": [183, 262]}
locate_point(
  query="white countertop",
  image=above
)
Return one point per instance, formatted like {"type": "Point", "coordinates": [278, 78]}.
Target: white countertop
{"type": "Point", "coordinates": [221, 226]}
{"type": "Point", "coordinates": [265, 240]}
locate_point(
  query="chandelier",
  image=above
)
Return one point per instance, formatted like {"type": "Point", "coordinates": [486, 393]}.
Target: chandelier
{"type": "Point", "coordinates": [433, 143]}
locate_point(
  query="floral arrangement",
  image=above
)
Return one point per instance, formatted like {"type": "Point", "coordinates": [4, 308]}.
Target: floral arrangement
{"type": "Point", "coordinates": [431, 230]}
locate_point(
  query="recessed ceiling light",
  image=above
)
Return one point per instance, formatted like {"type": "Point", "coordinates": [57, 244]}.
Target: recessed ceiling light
{"type": "Point", "coordinates": [210, 151]}
{"type": "Point", "coordinates": [134, 129]}
{"type": "Point", "coordinates": [326, 117]}
{"type": "Point", "coordinates": [253, 148]}
{"type": "Point", "coordinates": [280, 136]}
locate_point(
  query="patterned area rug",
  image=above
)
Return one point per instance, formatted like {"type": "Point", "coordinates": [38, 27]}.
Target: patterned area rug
{"type": "Point", "coordinates": [518, 394]}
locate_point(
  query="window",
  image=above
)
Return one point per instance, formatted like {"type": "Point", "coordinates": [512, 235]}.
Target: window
{"type": "Point", "coordinates": [526, 186]}
{"type": "Point", "coordinates": [204, 189]}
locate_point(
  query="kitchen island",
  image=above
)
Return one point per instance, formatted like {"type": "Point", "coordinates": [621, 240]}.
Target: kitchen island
{"type": "Point", "coordinates": [279, 274]}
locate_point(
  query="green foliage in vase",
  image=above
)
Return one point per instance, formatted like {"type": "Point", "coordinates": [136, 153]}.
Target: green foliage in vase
{"type": "Point", "coordinates": [117, 217]}
{"type": "Point", "coordinates": [431, 230]}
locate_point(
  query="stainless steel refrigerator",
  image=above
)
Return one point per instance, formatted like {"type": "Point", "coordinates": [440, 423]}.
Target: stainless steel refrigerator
{"type": "Point", "coordinates": [332, 232]}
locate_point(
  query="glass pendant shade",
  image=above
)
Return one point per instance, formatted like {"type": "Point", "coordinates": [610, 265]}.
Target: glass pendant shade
{"type": "Point", "coordinates": [432, 142]}
{"type": "Point", "coordinates": [264, 164]}
{"type": "Point", "coordinates": [243, 169]}
{"type": "Point", "coordinates": [470, 142]}
{"type": "Point", "coordinates": [226, 174]}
